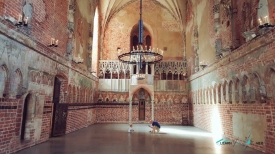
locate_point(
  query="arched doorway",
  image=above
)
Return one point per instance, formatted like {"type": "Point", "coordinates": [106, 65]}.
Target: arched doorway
{"type": "Point", "coordinates": [24, 117]}
{"type": "Point", "coordinates": [142, 97]}
{"type": "Point", "coordinates": [60, 110]}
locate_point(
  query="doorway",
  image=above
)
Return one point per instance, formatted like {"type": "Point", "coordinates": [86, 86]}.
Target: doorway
{"type": "Point", "coordinates": [60, 111]}
{"type": "Point", "coordinates": [141, 109]}
{"type": "Point", "coordinates": [24, 117]}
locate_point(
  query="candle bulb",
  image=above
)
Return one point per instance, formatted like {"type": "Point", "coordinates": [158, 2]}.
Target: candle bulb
{"type": "Point", "coordinates": [266, 19]}
{"type": "Point", "coordinates": [26, 20]}
{"type": "Point", "coordinates": [20, 18]}
{"type": "Point", "coordinates": [260, 21]}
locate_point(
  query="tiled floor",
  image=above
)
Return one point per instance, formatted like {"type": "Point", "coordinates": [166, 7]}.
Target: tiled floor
{"type": "Point", "coordinates": [114, 139]}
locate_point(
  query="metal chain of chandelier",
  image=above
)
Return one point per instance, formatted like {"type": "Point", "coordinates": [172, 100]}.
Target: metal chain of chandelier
{"type": "Point", "coordinates": [140, 55]}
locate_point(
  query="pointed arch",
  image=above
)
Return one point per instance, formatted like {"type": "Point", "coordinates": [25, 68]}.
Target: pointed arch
{"type": "Point", "coordinates": [95, 50]}
{"type": "Point", "coordinates": [3, 80]}
{"type": "Point", "coordinates": [237, 90]}
{"type": "Point", "coordinates": [230, 92]}
{"type": "Point", "coordinates": [16, 83]}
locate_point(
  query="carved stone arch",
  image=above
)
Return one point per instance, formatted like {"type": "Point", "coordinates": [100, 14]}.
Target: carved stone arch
{"type": "Point", "coordinates": [210, 94]}
{"type": "Point", "coordinates": [270, 83]}
{"type": "Point", "coordinates": [202, 96]}
{"type": "Point", "coordinates": [245, 89]}
{"type": "Point", "coordinates": [230, 92]}
{"type": "Point", "coordinates": [215, 87]}
{"type": "Point", "coordinates": [32, 114]}
{"type": "Point", "coordinates": [257, 87]}
{"type": "Point", "coordinates": [4, 72]}
{"type": "Point", "coordinates": [144, 87]}
{"type": "Point", "coordinates": [16, 81]}
{"type": "Point", "coordinates": [219, 101]}
{"type": "Point", "coordinates": [142, 96]}
{"type": "Point", "coordinates": [207, 95]}
{"type": "Point", "coordinates": [237, 90]}
{"type": "Point", "coordinates": [224, 91]}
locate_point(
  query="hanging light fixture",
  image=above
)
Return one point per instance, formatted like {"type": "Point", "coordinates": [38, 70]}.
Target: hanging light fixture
{"type": "Point", "coordinates": [140, 55]}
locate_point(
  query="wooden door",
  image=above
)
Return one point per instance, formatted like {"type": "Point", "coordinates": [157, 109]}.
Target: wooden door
{"type": "Point", "coordinates": [60, 111]}
{"type": "Point", "coordinates": [141, 109]}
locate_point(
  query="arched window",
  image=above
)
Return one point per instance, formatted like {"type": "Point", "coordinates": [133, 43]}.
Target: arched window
{"type": "Point", "coordinates": [215, 94]}
{"type": "Point", "coordinates": [95, 42]}
{"type": "Point", "coordinates": [224, 91]}
{"type": "Point", "coordinates": [219, 93]}
{"type": "Point", "coordinates": [3, 79]}
{"type": "Point", "coordinates": [237, 87]}
{"type": "Point", "coordinates": [148, 41]}
{"type": "Point", "coordinates": [135, 42]}
{"type": "Point", "coordinates": [230, 93]}
{"type": "Point", "coordinates": [244, 90]}
{"type": "Point", "coordinates": [255, 95]}
{"type": "Point", "coordinates": [15, 83]}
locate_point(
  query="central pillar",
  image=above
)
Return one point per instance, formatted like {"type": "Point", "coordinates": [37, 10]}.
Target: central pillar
{"type": "Point", "coordinates": [152, 106]}
{"type": "Point", "coordinates": [130, 110]}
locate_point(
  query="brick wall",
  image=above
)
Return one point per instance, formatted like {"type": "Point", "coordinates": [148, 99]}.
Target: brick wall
{"type": "Point", "coordinates": [115, 113]}
{"type": "Point", "coordinates": [174, 113]}
{"type": "Point", "coordinates": [80, 117]}
{"type": "Point", "coordinates": [49, 20]}
{"type": "Point", "coordinates": [250, 70]}
{"type": "Point", "coordinates": [10, 126]}
{"type": "Point", "coordinates": [205, 117]}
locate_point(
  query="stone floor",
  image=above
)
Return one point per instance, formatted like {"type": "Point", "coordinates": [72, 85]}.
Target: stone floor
{"type": "Point", "coordinates": [114, 139]}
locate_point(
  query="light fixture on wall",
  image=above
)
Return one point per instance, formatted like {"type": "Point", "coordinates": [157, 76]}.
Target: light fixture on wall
{"type": "Point", "coordinates": [264, 22]}
{"type": "Point", "coordinates": [22, 20]}
{"type": "Point", "coordinates": [54, 43]}
{"type": "Point", "coordinates": [141, 54]}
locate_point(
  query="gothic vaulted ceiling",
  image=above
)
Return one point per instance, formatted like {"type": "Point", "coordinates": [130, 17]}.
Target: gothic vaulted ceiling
{"type": "Point", "coordinates": [110, 7]}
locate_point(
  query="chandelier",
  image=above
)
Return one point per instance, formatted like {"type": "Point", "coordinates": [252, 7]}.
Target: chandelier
{"type": "Point", "coordinates": [141, 54]}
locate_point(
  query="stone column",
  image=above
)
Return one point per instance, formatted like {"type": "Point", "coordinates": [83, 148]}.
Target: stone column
{"type": "Point", "coordinates": [130, 110]}
{"type": "Point", "coordinates": [152, 103]}
{"type": "Point", "coordinates": [137, 68]}
{"type": "Point", "coordinates": [146, 69]}
{"type": "Point", "coordinates": [131, 69]}
{"type": "Point", "coordinates": [152, 69]}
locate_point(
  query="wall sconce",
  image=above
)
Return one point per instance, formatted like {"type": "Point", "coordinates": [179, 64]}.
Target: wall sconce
{"type": "Point", "coordinates": [78, 59]}
{"type": "Point", "coordinates": [54, 43]}
{"type": "Point", "coordinates": [264, 22]}
{"type": "Point", "coordinates": [22, 20]}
